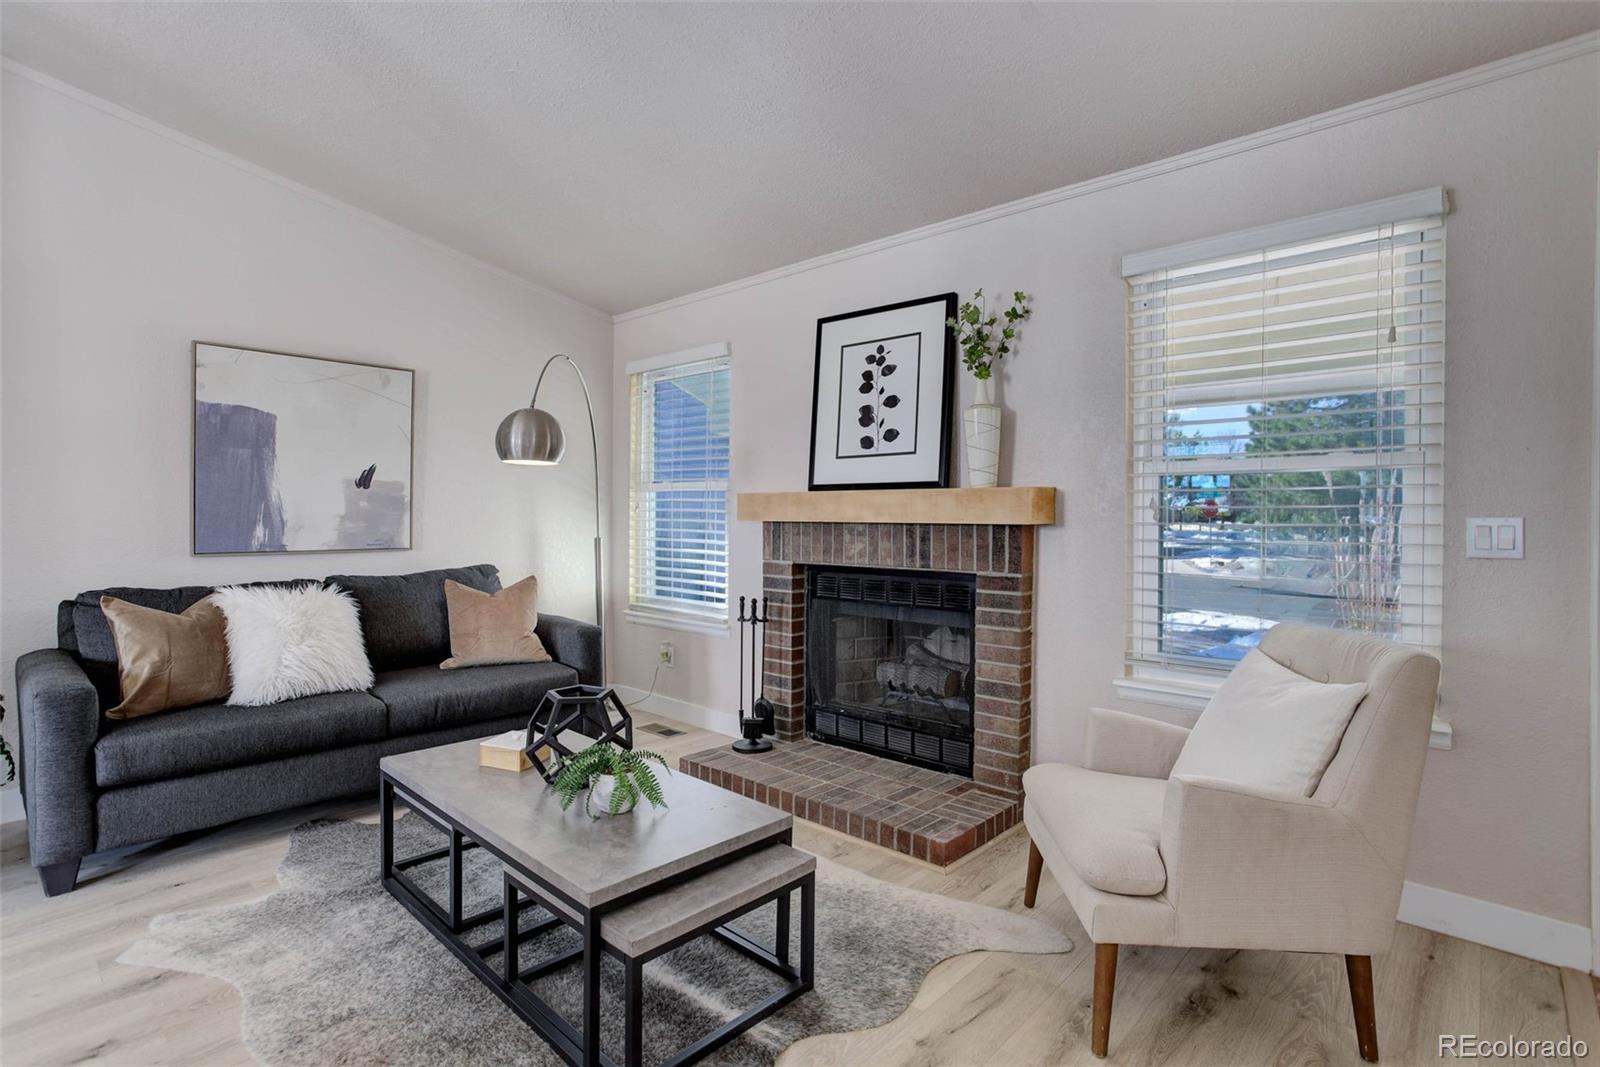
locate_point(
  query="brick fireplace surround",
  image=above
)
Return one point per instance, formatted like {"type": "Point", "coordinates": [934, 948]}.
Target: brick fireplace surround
{"type": "Point", "coordinates": [927, 814]}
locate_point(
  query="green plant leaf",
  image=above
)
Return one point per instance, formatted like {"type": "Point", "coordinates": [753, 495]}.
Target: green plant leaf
{"type": "Point", "coordinates": [650, 786]}
{"type": "Point", "coordinates": [619, 794]}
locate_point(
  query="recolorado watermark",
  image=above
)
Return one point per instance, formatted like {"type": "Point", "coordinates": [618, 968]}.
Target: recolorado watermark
{"type": "Point", "coordinates": [1473, 1047]}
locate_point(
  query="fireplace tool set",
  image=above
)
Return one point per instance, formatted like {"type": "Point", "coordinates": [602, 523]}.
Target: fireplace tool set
{"type": "Point", "coordinates": [758, 722]}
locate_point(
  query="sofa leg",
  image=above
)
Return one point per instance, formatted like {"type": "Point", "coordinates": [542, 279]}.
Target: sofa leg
{"type": "Point", "coordinates": [1035, 865]}
{"type": "Point", "coordinates": [58, 878]}
{"type": "Point", "coordinates": [1105, 983]}
{"type": "Point", "coordinates": [1359, 970]}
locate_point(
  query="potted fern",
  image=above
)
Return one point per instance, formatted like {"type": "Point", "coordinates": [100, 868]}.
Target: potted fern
{"type": "Point", "coordinates": [615, 777]}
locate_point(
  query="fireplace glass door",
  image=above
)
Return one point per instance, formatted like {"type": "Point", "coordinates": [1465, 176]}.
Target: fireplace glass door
{"type": "Point", "coordinates": [889, 664]}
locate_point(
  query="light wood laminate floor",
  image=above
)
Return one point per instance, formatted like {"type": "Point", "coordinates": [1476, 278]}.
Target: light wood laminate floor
{"type": "Point", "coordinates": [65, 999]}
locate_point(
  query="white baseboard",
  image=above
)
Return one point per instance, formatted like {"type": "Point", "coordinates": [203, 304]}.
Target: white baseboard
{"type": "Point", "coordinates": [1522, 933]}
{"type": "Point", "coordinates": [725, 722]}
{"type": "Point", "coordinates": [11, 805]}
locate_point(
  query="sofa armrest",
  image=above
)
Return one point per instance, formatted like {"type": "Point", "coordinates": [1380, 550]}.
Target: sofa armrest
{"type": "Point", "coordinates": [1256, 869]}
{"type": "Point", "coordinates": [59, 718]}
{"type": "Point", "coordinates": [574, 643]}
{"type": "Point", "coordinates": [1120, 743]}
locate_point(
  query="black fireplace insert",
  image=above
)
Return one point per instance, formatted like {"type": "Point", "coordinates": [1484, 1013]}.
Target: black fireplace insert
{"type": "Point", "coordinates": [889, 663]}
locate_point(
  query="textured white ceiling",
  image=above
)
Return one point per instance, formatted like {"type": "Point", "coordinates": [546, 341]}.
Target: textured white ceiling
{"type": "Point", "coordinates": [625, 153]}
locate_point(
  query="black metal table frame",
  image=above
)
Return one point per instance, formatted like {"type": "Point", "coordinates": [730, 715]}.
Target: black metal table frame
{"type": "Point", "coordinates": [581, 1045]}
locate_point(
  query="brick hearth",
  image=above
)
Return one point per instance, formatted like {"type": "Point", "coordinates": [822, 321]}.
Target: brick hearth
{"type": "Point", "coordinates": [933, 816]}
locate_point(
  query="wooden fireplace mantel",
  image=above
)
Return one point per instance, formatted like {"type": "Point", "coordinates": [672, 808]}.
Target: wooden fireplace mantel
{"type": "Point", "coordinates": [1021, 505]}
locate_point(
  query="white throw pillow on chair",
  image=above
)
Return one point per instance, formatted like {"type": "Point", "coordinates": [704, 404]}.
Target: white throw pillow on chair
{"type": "Point", "coordinates": [286, 642]}
{"type": "Point", "coordinates": [1269, 728]}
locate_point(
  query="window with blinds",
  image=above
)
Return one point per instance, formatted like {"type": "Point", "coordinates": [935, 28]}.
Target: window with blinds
{"type": "Point", "coordinates": [1285, 414]}
{"type": "Point", "coordinates": [678, 489]}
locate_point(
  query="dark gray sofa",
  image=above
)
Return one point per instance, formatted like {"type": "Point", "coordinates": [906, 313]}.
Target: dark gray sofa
{"type": "Point", "coordinates": [90, 783]}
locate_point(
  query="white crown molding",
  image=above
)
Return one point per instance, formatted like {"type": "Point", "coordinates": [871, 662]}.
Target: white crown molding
{"type": "Point", "coordinates": [133, 118]}
{"type": "Point", "coordinates": [1560, 52]}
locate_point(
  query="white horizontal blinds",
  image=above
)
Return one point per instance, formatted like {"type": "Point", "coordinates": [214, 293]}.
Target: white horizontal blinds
{"type": "Point", "coordinates": [678, 489]}
{"type": "Point", "coordinates": [1286, 412]}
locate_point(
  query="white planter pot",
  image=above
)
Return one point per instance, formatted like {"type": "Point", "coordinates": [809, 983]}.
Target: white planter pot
{"type": "Point", "coordinates": [601, 786]}
{"type": "Point", "coordinates": [980, 427]}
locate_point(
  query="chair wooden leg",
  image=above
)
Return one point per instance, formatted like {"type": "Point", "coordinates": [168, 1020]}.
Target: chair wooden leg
{"type": "Point", "coordinates": [1105, 982]}
{"type": "Point", "coordinates": [1035, 865]}
{"type": "Point", "coordinates": [1359, 970]}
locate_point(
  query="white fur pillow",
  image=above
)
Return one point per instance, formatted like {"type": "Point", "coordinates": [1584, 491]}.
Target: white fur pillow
{"type": "Point", "coordinates": [286, 642]}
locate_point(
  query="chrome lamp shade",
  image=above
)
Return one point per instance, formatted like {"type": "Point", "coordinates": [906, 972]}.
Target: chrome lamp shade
{"type": "Point", "coordinates": [530, 436]}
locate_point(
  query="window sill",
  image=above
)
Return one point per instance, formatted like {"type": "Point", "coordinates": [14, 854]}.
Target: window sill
{"type": "Point", "coordinates": [1169, 689]}
{"type": "Point", "coordinates": [1173, 689]}
{"type": "Point", "coordinates": [671, 620]}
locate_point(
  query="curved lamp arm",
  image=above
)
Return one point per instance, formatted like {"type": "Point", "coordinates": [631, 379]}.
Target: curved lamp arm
{"type": "Point", "coordinates": [594, 437]}
{"type": "Point", "coordinates": [594, 440]}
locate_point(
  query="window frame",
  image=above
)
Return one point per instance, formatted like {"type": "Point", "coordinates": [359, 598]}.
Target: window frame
{"type": "Point", "coordinates": [1150, 673]}
{"type": "Point", "coordinates": [668, 612]}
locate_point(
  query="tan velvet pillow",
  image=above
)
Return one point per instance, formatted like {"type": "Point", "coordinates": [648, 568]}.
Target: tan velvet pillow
{"type": "Point", "coordinates": [490, 628]}
{"type": "Point", "coordinates": [167, 661]}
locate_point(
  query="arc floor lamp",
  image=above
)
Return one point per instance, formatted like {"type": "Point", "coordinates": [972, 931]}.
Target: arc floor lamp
{"type": "Point", "coordinates": [533, 437]}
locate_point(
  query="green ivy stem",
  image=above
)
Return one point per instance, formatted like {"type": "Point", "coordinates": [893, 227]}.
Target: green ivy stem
{"type": "Point", "coordinates": [981, 345]}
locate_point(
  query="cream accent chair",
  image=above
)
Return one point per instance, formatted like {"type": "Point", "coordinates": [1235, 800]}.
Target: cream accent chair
{"type": "Point", "coordinates": [1150, 860]}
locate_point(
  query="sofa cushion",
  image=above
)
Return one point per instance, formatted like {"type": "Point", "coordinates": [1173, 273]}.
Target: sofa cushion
{"type": "Point", "coordinates": [91, 634]}
{"type": "Point", "coordinates": [403, 616]}
{"type": "Point", "coordinates": [97, 650]}
{"type": "Point", "coordinates": [1108, 826]}
{"type": "Point", "coordinates": [214, 736]}
{"type": "Point", "coordinates": [66, 633]}
{"type": "Point", "coordinates": [427, 698]}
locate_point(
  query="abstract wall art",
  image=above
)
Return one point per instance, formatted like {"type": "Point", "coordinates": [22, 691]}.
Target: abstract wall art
{"type": "Point", "coordinates": [299, 454]}
{"type": "Point", "coordinates": [882, 397]}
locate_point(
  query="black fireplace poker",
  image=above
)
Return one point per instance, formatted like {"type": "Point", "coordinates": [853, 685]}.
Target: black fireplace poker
{"type": "Point", "coordinates": [755, 725]}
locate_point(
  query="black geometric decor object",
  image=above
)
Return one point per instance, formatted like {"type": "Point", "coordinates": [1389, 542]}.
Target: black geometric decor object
{"type": "Point", "coordinates": [593, 710]}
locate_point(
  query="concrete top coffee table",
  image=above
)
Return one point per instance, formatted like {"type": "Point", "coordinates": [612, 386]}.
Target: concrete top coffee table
{"type": "Point", "coordinates": [667, 875]}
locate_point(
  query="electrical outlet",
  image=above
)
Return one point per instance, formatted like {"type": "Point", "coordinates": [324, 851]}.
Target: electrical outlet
{"type": "Point", "coordinates": [667, 653]}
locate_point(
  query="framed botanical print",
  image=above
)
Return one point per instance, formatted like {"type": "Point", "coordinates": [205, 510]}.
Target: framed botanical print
{"type": "Point", "coordinates": [299, 453]}
{"type": "Point", "coordinates": [883, 396]}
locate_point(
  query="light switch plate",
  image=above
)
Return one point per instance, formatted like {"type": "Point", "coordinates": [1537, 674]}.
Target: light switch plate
{"type": "Point", "coordinates": [1494, 538]}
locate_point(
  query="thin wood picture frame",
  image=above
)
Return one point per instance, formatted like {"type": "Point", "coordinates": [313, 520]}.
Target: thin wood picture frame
{"type": "Point", "coordinates": [398, 525]}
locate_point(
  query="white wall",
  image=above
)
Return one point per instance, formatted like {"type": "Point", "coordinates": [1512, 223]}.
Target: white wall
{"type": "Point", "coordinates": [1504, 816]}
{"type": "Point", "coordinates": [124, 242]}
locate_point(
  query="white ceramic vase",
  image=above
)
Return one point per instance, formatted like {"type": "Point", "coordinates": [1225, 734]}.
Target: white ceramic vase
{"type": "Point", "coordinates": [601, 787]}
{"type": "Point", "coordinates": [980, 425]}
